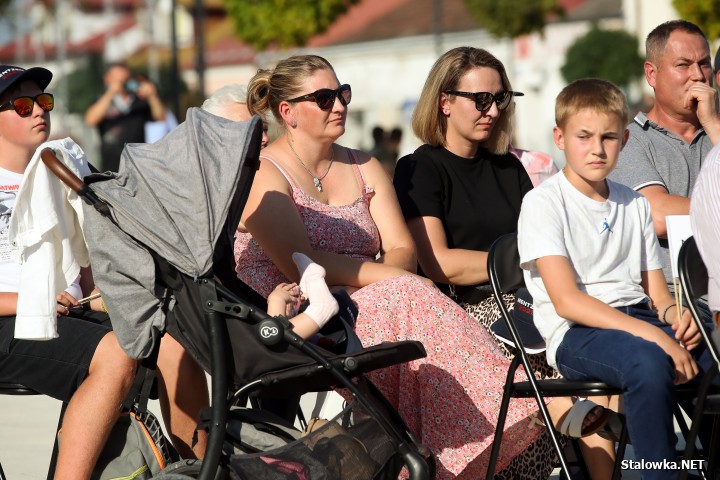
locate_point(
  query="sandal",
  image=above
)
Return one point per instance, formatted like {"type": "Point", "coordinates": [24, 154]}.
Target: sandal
{"type": "Point", "coordinates": [572, 426]}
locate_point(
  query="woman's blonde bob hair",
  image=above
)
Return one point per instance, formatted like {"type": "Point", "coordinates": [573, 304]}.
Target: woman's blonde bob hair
{"type": "Point", "coordinates": [270, 87]}
{"type": "Point", "coordinates": [428, 121]}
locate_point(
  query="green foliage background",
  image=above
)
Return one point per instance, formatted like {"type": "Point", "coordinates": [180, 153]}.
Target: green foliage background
{"type": "Point", "coordinates": [703, 13]}
{"type": "Point", "coordinates": [608, 54]}
{"type": "Point", "coordinates": [513, 18]}
{"type": "Point", "coordinates": [283, 23]}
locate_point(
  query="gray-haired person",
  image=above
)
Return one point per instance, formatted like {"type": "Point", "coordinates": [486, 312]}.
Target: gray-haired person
{"type": "Point", "coordinates": [230, 102]}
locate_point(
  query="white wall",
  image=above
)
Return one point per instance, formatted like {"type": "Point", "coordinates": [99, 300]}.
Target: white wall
{"type": "Point", "coordinates": [641, 17]}
{"type": "Point", "coordinates": [387, 78]}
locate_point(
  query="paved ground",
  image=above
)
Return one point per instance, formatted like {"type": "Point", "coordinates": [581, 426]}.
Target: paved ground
{"type": "Point", "coordinates": [27, 427]}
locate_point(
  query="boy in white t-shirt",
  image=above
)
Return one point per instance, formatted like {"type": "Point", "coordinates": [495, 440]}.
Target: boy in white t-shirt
{"type": "Point", "coordinates": [593, 266]}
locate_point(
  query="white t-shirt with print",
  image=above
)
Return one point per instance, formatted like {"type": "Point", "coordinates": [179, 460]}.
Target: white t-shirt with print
{"type": "Point", "coordinates": [9, 269]}
{"type": "Point", "coordinates": [608, 243]}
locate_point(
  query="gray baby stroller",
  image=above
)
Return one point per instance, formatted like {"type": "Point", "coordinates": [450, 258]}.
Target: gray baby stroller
{"type": "Point", "coordinates": [160, 235]}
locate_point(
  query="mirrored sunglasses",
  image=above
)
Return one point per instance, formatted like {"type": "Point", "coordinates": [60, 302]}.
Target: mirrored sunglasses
{"type": "Point", "coordinates": [23, 106]}
{"type": "Point", "coordinates": [483, 100]}
{"type": "Point", "coordinates": [325, 97]}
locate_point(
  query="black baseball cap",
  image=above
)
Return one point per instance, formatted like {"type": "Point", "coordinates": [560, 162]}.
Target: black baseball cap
{"type": "Point", "coordinates": [10, 75]}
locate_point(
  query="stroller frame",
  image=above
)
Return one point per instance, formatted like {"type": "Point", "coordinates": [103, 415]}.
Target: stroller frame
{"type": "Point", "coordinates": [220, 303]}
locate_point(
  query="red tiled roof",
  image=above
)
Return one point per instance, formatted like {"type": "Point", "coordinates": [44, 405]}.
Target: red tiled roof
{"type": "Point", "coordinates": [569, 5]}
{"type": "Point", "coordinates": [356, 20]}
{"type": "Point", "coordinates": [383, 19]}
{"type": "Point", "coordinates": [95, 43]}
{"type": "Point", "coordinates": [366, 21]}
{"type": "Point", "coordinates": [99, 5]}
{"type": "Point", "coordinates": [11, 53]}
{"type": "Point", "coordinates": [222, 47]}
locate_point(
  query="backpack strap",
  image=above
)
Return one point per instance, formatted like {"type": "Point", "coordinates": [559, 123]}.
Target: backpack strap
{"type": "Point", "coordinates": [139, 394]}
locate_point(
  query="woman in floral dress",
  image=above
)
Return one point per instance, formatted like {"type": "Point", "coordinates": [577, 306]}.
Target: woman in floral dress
{"type": "Point", "coordinates": [338, 207]}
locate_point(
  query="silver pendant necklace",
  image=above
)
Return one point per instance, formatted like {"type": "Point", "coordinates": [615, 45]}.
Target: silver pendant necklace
{"type": "Point", "coordinates": [316, 180]}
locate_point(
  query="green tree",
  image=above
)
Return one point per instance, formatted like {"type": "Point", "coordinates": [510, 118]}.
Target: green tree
{"type": "Point", "coordinates": [85, 84]}
{"type": "Point", "coordinates": [283, 23]}
{"type": "Point", "coordinates": [703, 13]}
{"type": "Point", "coordinates": [513, 18]}
{"type": "Point", "coordinates": [608, 54]}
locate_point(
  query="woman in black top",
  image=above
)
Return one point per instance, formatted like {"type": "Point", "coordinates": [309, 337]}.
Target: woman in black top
{"type": "Point", "coordinates": [461, 190]}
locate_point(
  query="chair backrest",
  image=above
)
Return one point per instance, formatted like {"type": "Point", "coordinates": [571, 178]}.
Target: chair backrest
{"type": "Point", "coordinates": [694, 283]}
{"type": "Point", "coordinates": [503, 264]}
{"type": "Point", "coordinates": [692, 268]}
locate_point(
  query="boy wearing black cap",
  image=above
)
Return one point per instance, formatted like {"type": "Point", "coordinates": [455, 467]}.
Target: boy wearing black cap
{"type": "Point", "coordinates": [84, 365]}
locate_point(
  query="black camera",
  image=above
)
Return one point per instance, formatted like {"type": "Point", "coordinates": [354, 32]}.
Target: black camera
{"type": "Point", "coordinates": [132, 85]}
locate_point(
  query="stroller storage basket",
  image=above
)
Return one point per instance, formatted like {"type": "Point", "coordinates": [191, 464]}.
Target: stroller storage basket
{"type": "Point", "coordinates": [351, 446]}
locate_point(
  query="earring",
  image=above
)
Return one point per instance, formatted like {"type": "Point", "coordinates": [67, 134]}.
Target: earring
{"type": "Point", "coordinates": [293, 124]}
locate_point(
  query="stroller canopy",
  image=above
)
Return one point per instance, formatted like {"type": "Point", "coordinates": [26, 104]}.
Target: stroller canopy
{"type": "Point", "coordinates": [176, 198]}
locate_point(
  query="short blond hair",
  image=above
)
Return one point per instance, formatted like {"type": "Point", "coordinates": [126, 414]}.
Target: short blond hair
{"type": "Point", "coordinates": [593, 94]}
{"type": "Point", "coordinates": [268, 88]}
{"type": "Point", "coordinates": [428, 121]}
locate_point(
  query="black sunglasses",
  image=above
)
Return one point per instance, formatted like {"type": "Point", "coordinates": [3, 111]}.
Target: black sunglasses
{"type": "Point", "coordinates": [23, 106]}
{"type": "Point", "coordinates": [483, 100]}
{"type": "Point", "coordinates": [325, 97]}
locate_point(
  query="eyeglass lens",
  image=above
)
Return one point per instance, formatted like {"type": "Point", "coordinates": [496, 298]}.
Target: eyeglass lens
{"type": "Point", "coordinates": [24, 105]}
{"type": "Point", "coordinates": [325, 97]}
{"type": "Point", "coordinates": [483, 100]}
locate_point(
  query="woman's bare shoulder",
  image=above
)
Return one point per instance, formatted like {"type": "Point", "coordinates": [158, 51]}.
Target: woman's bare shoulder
{"type": "Point", "coordinates": [371, 166]}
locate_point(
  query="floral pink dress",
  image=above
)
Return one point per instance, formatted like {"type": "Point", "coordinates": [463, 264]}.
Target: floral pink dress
{"type": "Point", "coordinates": [451, 398]}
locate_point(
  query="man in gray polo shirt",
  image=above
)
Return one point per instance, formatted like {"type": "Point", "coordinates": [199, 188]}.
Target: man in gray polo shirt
{"type": "Point", "coordinates": [667, 145]}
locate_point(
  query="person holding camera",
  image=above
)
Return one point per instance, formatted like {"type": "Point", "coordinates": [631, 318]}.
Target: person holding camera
{"type": "Point", "coordinates": [122, 111]}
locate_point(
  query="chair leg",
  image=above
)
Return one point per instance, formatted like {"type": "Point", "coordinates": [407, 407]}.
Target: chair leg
{"type": "Point", "coordinates": [680, 419]}
{"type": "Point", "coordinates": [577, 450]}
{"type": "Point", "coordinates": [554, 436]}
{"type": "Point", "coordinates": [620, 454]}
{"type": "Point", "coordinates": [695, 425]}
{"type": "Point", "coordinates": [713, 450]}
{"type": "Point", "coordinates": [497, 439]}
{"type": "Point", "coordinates": [2, 473]}
{"type": "Point", "coordinates": [56, 445]}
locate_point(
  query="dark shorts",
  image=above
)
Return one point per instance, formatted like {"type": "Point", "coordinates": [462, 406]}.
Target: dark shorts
{"type": "Point", "coordinates": [54, 367]}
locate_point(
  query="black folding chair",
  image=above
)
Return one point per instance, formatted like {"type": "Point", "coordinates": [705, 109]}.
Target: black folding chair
{"type": "Point", "coordinates": [694, 284]}
{"type": "Point", "coordinates": [17, 389]}
{"type": "Point", "coordinates": [506, 276]}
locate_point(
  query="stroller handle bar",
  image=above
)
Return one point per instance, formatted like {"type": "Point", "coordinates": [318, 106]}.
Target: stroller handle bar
{"type": "Point", "coordinates": [61, 171]}
{"type": "Point", "coordinates": [67, 176]}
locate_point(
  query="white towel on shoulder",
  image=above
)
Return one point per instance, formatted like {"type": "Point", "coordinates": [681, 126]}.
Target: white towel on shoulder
{"type": "Point", "coordinates": [46, 236]}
